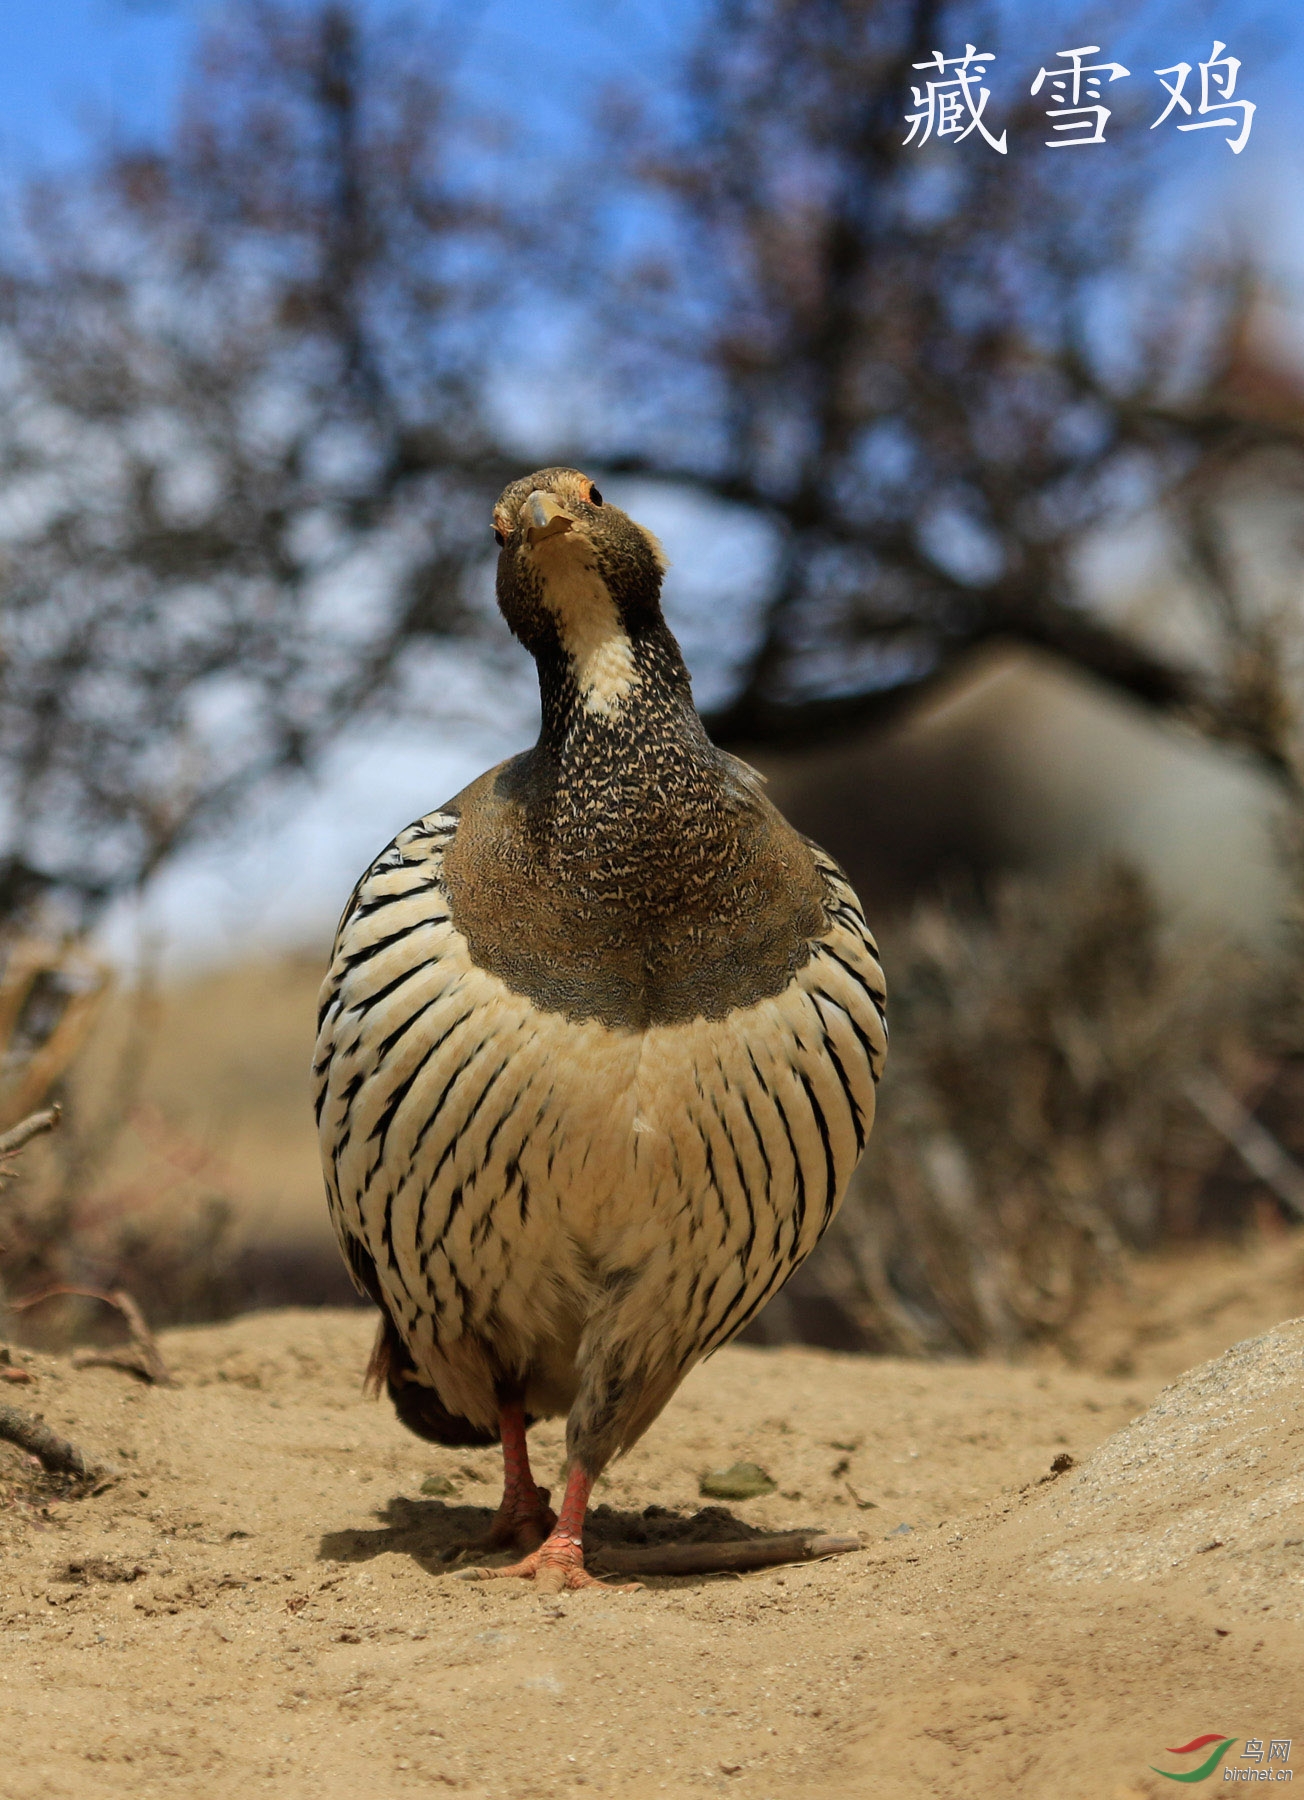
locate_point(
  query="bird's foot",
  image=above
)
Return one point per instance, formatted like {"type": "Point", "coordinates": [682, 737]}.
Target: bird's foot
{"type": "Point", "coordinates": [520, 1524]}
{"type": "Point", "coordinates": [556, 1565]}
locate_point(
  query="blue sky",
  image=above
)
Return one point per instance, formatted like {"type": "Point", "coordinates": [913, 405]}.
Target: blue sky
{"type": "Point", "coordinates": [70, 65]}
{"type": "Point", "coordinates": [66, 66]}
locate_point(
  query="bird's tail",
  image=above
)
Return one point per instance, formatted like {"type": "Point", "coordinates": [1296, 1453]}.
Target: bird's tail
{"type": "Point", "coordinates": [415, 1401]}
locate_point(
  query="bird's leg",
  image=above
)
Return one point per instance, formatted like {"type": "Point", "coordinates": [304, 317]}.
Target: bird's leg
{"type": "Point", "coordinates": [524, 1517]}
{"type": "Point", "coordinates": [559, 1561]}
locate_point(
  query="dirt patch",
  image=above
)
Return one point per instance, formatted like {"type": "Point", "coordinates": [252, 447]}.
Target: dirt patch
{"type": "Point", "coordinates": [263, 1603]}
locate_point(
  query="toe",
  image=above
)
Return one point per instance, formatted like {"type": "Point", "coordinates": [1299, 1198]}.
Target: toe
{"type": "Point", "coordinates": [556, 1567]}
{"type": "Point", "coordinates": [552, 1578]}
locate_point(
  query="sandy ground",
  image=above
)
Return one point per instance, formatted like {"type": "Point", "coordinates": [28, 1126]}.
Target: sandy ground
{"type": "Point", "coordinates": [261, 1604]}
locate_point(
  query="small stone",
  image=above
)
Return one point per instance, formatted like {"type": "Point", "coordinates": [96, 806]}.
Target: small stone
{"type": "Point", "coordinates": [900, 1531]}
{"type": "Point", "coordinates": [438, 1484]}
{"type": "Point", "coordinates": [740, 1481]}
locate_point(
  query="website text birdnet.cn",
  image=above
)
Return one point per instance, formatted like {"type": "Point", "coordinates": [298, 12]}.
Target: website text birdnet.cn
{"type": "Point", "coordinates": [952, 106]}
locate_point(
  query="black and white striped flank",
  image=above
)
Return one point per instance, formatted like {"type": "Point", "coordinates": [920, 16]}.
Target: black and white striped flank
{"type": "Point", "coordinates": [584, 1209]}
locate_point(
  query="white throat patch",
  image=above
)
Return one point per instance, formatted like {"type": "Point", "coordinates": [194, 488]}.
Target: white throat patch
{"type": "Point", "coordinates": [587, 623]}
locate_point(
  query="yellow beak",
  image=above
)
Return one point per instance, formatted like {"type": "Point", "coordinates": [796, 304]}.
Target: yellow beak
{"type": "Point", "coordinates": [544, 516]}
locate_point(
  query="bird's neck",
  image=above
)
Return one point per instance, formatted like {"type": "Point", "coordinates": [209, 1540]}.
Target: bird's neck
{"type": "Point", "coordinates": [624, 773]}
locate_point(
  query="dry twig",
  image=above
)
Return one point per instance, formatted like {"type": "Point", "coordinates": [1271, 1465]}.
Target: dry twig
{"type": "Point", "coordinates": [731, 1556]}
{"type": "Point", "coordinates": [140, 1357]}
{"type": "Point", "coordinates": [34, 1125]}
{"type": "Point", "coordinates": [53, 1452]}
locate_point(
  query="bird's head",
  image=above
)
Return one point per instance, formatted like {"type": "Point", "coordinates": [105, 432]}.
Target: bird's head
{"type": "Point", "coordinates": [577, 577]}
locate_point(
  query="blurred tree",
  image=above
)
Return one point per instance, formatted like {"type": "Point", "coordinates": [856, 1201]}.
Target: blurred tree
{"type": "Point", "coordinates": [242, 458]}
{"type": "Point", "coordinates": [938, 370]}
{"type": "Point", "coordinates": [246, 450]}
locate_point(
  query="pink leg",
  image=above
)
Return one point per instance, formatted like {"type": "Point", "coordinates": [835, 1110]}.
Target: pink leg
{"type": "Point", "coordinates": [524, 1516]}
{"type": "Point", "coordinates": [559, 1562]}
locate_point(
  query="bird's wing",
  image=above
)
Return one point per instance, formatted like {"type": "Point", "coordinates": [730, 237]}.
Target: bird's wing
{"type": "Point", "coordinates": [846, 959]}
{"type": "Point", "coordinates": [389, 939]}
{"type": "Point", "coordinates": [816, 1059]}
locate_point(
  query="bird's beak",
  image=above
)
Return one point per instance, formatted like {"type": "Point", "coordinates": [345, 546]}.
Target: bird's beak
{"type": "Point", "coordinates": [544, 516]}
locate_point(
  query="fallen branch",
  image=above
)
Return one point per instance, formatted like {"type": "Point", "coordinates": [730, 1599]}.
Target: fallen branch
{"type": "Point", "coordinates": [13, 1140]}
{"type": "Point", "coordinates": [708, 1559]}
{"type": "Point", "coordinates": [53, 1452]}
{"type": "Point", "coordinates": [140, 1357]}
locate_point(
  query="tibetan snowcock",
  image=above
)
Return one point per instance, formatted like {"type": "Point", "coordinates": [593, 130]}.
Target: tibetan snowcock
{"type": "Point", "coordinates": [598, 1045]}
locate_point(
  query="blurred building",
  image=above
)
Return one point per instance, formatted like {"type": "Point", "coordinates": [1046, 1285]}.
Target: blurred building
{"type": "Point", "coordinates": [1021, 764]}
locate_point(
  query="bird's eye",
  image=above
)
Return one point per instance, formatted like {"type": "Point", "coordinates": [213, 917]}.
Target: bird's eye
{"type": "Point", "coordinates": [595, 498]}
{"type": "Point", "coordinates": [499, 536]}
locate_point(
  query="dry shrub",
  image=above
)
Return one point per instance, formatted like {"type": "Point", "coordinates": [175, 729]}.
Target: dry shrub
{"type": "Point", "coordinates": [50, 994]}
{"type": "Point", "coordinates": [138, 1189]}
{"type": "Point", "coordinates": [168, 1233]}
{"type": "Point", "coordinates": [1033, 1119]}
{"type": "Point", "coordinates": [165, 1236]}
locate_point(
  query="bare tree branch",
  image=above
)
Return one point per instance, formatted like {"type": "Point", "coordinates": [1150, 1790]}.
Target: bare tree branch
{"type": "Point", "coordinates": [35, 1125]}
